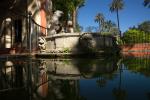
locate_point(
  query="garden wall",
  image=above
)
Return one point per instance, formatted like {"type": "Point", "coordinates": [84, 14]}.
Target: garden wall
{"type": "Point", "coordinates": [78, 41]}
{"type": "Point", "coordinates": [137, 50]}
{"type": "Point", "coordinates": [136, 47]}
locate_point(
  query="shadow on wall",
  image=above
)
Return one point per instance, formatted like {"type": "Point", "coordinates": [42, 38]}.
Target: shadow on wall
{"type": "Point", "coordinates": [94, 42]}
{"type": "Point", "coordinates": [80, 43]}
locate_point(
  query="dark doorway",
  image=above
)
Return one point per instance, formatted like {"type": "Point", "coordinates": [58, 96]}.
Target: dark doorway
{"type": "Point", "coordinates": [18, 30]}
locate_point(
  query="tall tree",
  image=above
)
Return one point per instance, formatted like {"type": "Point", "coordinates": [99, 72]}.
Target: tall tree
{"type": "Point", "coordinates": [144, 26]}
{"type": "Point", "coordinates": [70, 9]}
{"type": "Point", "coordinates": [108, 25]}
{"type": "Point", "coordinates": [63, 6]}
{"type": "Point", "coordinates": [115, 6]}
{"type": "Point", "coordinates": [100, 19]}
{"type": "Point", "coordinates": [90, 29]}
{"type": "Point", "coordinates": [147, 3]}
{"type": "Point", "coordinates": [76, 4]}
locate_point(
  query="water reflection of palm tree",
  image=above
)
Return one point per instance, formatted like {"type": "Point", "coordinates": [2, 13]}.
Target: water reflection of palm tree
{"type": "Point", "coordinates": [119, 93]}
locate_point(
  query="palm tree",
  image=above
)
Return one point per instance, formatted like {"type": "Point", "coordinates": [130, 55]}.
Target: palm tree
{"type": "Point", "coordinates": [147, 3]}
{"type": "Point", "coordinates": [99, 18]}
{"type": "Point", "coordinates": [119, 92]}
{"type": "Point", "coordinates": [109, 25]}
{"type": "Point", "coordinates": [75, 5]}
{"type": "Point", "coordinates": [115, 6]}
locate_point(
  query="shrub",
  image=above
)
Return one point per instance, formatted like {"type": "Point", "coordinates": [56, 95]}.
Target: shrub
{"type": "Point", "coordinates": [135, 36]}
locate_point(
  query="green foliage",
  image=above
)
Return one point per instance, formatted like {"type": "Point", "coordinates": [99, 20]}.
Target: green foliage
{"type": "Point", "coordinates": [140, 34]}
{"type": "Point", "coordinates": [140, 65]}
{"type": "Point", "coordinates": [116, 5]}
{"type": "Point", "coordinates": [105, 33]}
{"type": "Point", "coordinates": [63, 6]}
{"type": "Point", "coordinates": [100, 19]}
{"type": "Point", "coordinates": [110, 28]}
{"type": "Point", "coordinates": [147, 3]}
{"type": "Point", "coordinates": [66, 50]}
{"type": "Point", "coordinates": [114, 31]}
{"type": "Point", "coordinates": [90, 29]}
{"type": "Point", "coordinates": [108, 25]}
{"type": "Point", "coordinates": [144, 26]}
{"type": "Point", "coordinates": [78, 28]}
{"type": "Point", "coordinates": [119, 40]}
{"type": "Point", "coordinates": [68, 7]}
{"type": "Point", "coordinates": [135, 36]}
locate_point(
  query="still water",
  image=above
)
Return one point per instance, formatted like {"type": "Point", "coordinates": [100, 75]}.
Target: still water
{"type": "Point", "coordinates": [75, 79]}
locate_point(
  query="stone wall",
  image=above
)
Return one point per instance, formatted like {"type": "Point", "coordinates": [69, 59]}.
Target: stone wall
{"type": "Point", "coordinates": [62, 41]}
{"type": "Point", "coordinates": [78, 41]}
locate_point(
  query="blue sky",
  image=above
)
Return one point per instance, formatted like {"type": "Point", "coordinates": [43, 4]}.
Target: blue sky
{"type": "Point", "coordinates": [133, 13]}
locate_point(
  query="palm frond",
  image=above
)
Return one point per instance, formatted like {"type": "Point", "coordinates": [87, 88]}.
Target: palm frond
{"type": "Point", "coordinates": [147, 3]}
{"type": "Point", "coordinates": [116, 5]}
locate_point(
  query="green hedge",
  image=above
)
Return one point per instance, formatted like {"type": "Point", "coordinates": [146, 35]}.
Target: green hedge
{"type": "Point", "coordinates": [136, 36]}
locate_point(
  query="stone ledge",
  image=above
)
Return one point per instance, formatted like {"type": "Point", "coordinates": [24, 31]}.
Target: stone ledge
{"type": "Point", "coordinates": [63, 35]}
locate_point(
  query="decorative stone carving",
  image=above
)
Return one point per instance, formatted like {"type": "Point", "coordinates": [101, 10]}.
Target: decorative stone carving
{"type": "Point", "coordinates": [55, 25]}
{"type": "Point", "coordinates": [70, 27]}
{"type": "Point", "coordinates": [42, 44]}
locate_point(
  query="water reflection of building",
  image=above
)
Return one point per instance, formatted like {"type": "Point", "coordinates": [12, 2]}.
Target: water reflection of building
{"type": "Point", "coordinates": [50, 79]}
{"type": "Point", "coordinates": [22, 78]}
{"type": "Point", "coordinates": [14, 26]}
{"type": "Point", "coordinates": [13, 79]}
{"type": "Point", "coordinates": [12, 74]}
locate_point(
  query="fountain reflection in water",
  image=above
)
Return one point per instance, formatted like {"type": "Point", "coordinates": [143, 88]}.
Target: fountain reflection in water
{"type": "Point", "coordinates": [73, 79]}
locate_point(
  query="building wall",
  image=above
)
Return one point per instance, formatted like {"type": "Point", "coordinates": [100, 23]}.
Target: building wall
{"type": "Point", "coordinates": [18, 35]}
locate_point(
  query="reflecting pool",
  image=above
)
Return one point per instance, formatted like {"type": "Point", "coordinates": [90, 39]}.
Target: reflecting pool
{"type": "Point", "coordinates": [105, 78]}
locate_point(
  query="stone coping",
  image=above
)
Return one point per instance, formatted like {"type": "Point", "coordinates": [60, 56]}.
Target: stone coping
{"type": "Point", "coordinates": [63, 35]}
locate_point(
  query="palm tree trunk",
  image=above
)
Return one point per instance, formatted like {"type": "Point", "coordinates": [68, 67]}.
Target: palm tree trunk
{"type": "Point", "coordinates": [100, 27]}
{"type": "Point", "coordinates": [118, 23]}
{"type": "Point", "coordinates": [74, 18]}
